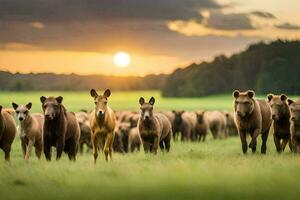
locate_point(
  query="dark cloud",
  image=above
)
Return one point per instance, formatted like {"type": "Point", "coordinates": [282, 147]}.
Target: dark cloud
{"type": "Point", "coordinates": [233, 21]}
{"type": "Point", "coordinates": [69, 10]}
{"type": "Point", "coordinates": [262, 14]}
{"type": "Point", "coordinates": [288, 26]}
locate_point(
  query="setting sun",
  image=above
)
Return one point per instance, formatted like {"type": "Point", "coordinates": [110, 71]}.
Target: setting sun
{"type": "Point", "coordinates": [122, 59]}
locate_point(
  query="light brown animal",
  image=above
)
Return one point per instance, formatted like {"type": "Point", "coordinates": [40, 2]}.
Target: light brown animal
{"type": "Point", "coordinates": [85, 131]}
{"type": "Point", "coordinates": [295, 125]}
{"type": "Point", "coordinates": [253, 116]}
{"type": "Point", "coordinates": [102, 122]}
{"type": "Point", "coordinates": [134, 140]}
{"type": "Point", "coordinates": [154, 128]}
{"type": "Point", "coordinates": [281, 121]}
{"type": "Point", "coordinates": [217, 124]}
{"type": "Point", "coordinates": [31, 130]}
{"type": "Point", "coordinates": [7, 131]}
{"type": "Point", "coordinates": [231, 127]}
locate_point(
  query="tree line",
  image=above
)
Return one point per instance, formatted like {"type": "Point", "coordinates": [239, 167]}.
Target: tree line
{"type": "Point", "coordinates": [272, 67]}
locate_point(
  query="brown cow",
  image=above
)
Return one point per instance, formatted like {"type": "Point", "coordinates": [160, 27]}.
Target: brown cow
{"type": "Point", "coordinates": [154, 128]}
{"type": "Point", "coordinates": [201, 127]}
{"type": "Point", "coordinates": [31, 130]}
{"type": "Point", "coordinates": [281, 121]}
{"type": "Point", "coordinates": [102, 122]}
{"type": "Point", "coordinates": [61, 129]}
{"type": "Point", "coordinates": [252, 116]}
{"type": "Point", "coordinates": [7, 132]}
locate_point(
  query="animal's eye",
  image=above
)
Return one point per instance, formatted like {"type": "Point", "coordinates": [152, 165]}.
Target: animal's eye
{"type": "Point", "coordinates": [17, 112]}
{"type": "Point", "coordinates": [26, 112]}
{"type": "Point", "coordinates": [44, 106]}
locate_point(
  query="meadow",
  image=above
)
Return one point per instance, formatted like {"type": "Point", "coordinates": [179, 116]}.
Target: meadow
{"type": "Point", "coordinates": [216, 169]}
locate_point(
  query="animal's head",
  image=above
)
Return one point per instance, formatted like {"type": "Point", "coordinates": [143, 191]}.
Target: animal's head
{"type": "Point", "coordinates": [244, 102]}
{"type": "Point", "coordinates": [295, 110]}
{"type": "Point", "coordinates": [278, 104]}
{"type": "Point", "coordinates": [22, 111]}
{"type": "Point", "coordinates": [200, 116]}
{"type": "Point", "coordinates": [52, 106]}
{"type": "Point", "coordinates": [100, 102]}
{"type": "Point", "coordinates": [177, 116]}
{"type": "Point", "coordinates": [147, 108]}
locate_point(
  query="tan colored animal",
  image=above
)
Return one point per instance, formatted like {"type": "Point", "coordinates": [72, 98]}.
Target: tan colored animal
{"type": "Point", "coordinates": [102, 122]}
{"type": "Point", "coordinates": [201, 127]}
{"type": "Point", "coordinates": [217, 124]}
{"type": "Point", "coordinates": [295, 125]}
{"type": "Point", "coordinates": [154, 128]}
{"type": "Point", "coordinates": [231, 127]}
{"type": "Point", "coordinates": [85, 131]}
{"type": "Point", "coordinates": [134, 140]}
{"type": "Point", "coordinates": [31, 130]}
{"type": "Point", "coordinates": [281, 121]}
{"type": "Point", "coordinates": [253, 116]}
{"type": "Point", "coordinates": [7, 132]}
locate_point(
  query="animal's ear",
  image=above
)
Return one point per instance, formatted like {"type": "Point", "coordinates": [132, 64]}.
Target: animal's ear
{"type": "Point", "coordinates": [270, 97]}
{"type": "Point", "coordinates": [226, 114]}
{"type": "Point", "coordinates": [107, 93]}
{"type": "Point", "coordinates": [251, 94]}
{"type": "Point", "coordinates": [43, 99]}
{"type": "Point", "coordinates": [0, 108]}
{"type": "Point", "coordinates": [283, 97]}
{"type": "Point", "coordinates": [93, 93]}
{"type": "Point", "coordinates": [14, 105]}
{"type": "Point", "coordinates": [152, 101]}
{"type": "Point", "coordinates": [59, 99]}
{"type": "Point", "coordinates": [173, 111]}
{"type": "Point", "coordinates": [181, 112]}
{"type": "Point", "coordinates": [236, 94]}
{"type": "Point", "coordinates": [203, 112]}
{"type": "Point", "coordinates": [290, 101]}
{"type": "Point", "coordinates": [29, 105]}
{"type": "Point", "coordinates": [142, 101]}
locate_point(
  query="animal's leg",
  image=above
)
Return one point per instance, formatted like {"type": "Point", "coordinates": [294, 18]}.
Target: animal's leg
{"type": "Point", "coordinates": [253, 142]}
{"type": "Point", "coordinates": [72, 149]}
{"type": "Point", "coordinates": [264, 138]}
{"type": "Point", "coordinates": [29, 149]}
{"type": "Point", "coordinates": [244, 141]}
{"type": "Point", "coordinates": [23, 145]}
{"type": "Point", "coordinates": [161, 145]}
{"type": "Point", "coordinates": [95, 147]}
{"type": "Point", "coordinates": [38, 150]}
{"type": "Point", "coordinates": [6, 149]}
{"type": "Point", "coordinates": [60, 144]}
{"type": "Point", "coordinates": [107, 145]}
{"type": "Point", "coordinates": [277, 142]}
{"type": "Point", "coordinates": [283, 143]}
{"type": "Point", "coordinates": [47, 152]}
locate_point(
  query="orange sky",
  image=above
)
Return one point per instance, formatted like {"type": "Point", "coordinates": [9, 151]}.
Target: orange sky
{"type": "Point", "coordinates": [159, 39]}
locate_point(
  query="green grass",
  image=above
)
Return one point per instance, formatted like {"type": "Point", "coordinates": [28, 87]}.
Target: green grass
{"type": "Point", "coordinates": [211, 170]}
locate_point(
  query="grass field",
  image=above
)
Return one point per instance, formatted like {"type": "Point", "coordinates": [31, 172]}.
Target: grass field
{"type": "Point", "coordinates": [211, 170]}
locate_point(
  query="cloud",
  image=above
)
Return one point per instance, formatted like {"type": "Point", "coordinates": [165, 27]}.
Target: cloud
{"type": "Point", "coordinates": [70, 10]}
{"type": "Point", "coordinates": [263, 14]}
{"type": "Point", "coordinates": [231, 21]}
{"type": "Point", "coordinates": [288, 26]}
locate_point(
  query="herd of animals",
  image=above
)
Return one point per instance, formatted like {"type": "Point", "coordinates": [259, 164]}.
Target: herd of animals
{"type": "Point", "coordinates": [123, 131]}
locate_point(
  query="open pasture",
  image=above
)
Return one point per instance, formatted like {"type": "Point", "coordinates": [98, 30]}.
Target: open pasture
{"type": "Point", "coordinates": [216, 169]}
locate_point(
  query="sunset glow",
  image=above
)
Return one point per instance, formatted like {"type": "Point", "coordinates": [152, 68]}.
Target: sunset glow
{"type": "Point", "coordinates": [122, 59]}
